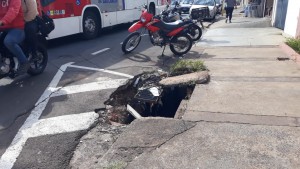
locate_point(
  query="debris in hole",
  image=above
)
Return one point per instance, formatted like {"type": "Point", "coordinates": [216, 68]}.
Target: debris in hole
{"type": "Point", "coordinates": [133, 112]}
{"type": "Point", "coordinates": [283, 58]}
{"type": "Point", "coordinates": [151, 94]}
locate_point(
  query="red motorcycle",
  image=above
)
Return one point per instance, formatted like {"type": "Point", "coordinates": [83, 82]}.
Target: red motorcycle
{"type": "Point", "coordinates": [161, 34]}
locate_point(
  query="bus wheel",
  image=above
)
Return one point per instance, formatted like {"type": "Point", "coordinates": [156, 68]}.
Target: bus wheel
{"type": "Point", "coordinates": [90, 25]}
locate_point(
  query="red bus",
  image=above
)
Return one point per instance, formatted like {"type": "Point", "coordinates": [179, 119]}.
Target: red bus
{"type": "Point", "coordinates": [90, 16]}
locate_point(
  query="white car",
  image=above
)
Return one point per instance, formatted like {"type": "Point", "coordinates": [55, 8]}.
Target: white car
{"type": "Point", "coordinates": [173, 3]}
{"type": "Point", "coordinates": [211, 4]}
{"type": "Point", "coordinates": [185, 5]}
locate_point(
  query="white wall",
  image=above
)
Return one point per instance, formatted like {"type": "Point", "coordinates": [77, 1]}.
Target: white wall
{"type": "Point", "coordinates": [292, 18]}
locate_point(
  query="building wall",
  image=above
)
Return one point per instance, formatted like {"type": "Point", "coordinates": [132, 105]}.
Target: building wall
{"type": "Point", "coordinates": [274, 12]}
{"type": "Point", "coordinates": [292, 22]}
{"type": "Point", "coordinates": [298, 27]}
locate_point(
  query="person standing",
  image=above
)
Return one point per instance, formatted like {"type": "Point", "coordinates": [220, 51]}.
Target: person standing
{"type": "Point", "coordinates": [31, 24]}
{"type": "Point", "coordinates": [230, 4]}
{"type": "Point", "coordinates": [12, 22]}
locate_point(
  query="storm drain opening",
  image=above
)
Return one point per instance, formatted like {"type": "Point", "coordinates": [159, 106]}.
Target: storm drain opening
{"type": "Point", "coordinates": [144, 96]}
{"type": "Point", "coordinates": [166, 104]}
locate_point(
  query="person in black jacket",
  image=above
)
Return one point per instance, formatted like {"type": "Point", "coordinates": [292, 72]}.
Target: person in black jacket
{"type": "Point", "coordinates": [229, 6]}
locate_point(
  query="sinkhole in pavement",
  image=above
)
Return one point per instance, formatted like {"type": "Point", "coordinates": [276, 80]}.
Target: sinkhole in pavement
{"type": "Point", "coordinates": [147, 97]}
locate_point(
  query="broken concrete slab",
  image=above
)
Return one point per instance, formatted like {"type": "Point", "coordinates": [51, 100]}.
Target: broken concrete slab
{"type": "Point", "coordinates": [196, 77]}
{"type": "Point", "coordinates": [143, 135]}
{"type": "Point", "coordinates": [223, 146]}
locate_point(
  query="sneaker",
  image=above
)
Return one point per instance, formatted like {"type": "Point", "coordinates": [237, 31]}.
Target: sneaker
{"type": "Point", "coordinates": [226, 20]}
{"type": "Point", "coordinates": [23, 68]}
{"type": "Point", "coordinates": [229, 21]}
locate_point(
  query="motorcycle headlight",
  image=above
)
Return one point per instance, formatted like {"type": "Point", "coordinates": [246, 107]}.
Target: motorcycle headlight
{"type": "Point", "coordinates": [142, 19]}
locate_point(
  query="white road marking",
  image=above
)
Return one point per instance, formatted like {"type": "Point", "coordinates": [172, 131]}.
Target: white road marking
{"type": "Point", "coordinates": [100, 51]}
{"type": "Point", "coordinates": [12, 152]}
{"type": "Point", "coordinates": [102, 70]}
{"type": "Point", "coordinates": [53, 83]}
{"type": "Point", "coordinates": [108, 84]}
{"type": "Point", "coordinates": [33, 127]}
{"type": "Point", "coordinates": [63, 124]}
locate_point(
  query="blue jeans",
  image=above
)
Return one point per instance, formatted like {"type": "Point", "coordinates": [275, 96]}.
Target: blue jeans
{"type": "Point", "coordinates": [247, 10]}
{"type": "Point", "coordinates": [12, 40]}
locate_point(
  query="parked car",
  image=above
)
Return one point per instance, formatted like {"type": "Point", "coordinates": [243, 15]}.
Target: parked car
{"type": "Point", "coordinates": [185, 6]}
{"type": "Point", "coordinates": [219, 4]}
{"type": "Point", "coordinates": [211, 4]}
{"type": "Point", "coordinates": [173, 3]}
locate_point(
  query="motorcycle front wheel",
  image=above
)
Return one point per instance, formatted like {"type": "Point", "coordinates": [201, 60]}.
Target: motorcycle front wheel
{"type": "Point", "coordinates": [181, 44]}
{"type": "Point", "coordinates": [195, 32]}
{"type": "Point", "coordinates": [131, 42]}
{"type": "Point", "coordinates": [39, 62]}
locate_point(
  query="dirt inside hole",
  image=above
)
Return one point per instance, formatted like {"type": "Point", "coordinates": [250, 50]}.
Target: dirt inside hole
{"type": "Point", "coordinates": [147, 97]}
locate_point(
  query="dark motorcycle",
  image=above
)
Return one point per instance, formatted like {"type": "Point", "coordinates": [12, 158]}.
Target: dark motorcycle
{"type": "Point", "coordinates": [172, 15]}
{"type": "Point", "coordinates": [9, 64]}
{"type": "Point", "coordinates": [161, 34]}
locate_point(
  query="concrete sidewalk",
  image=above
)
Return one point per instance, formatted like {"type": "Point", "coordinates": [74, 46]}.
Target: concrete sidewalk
{"type": "Point", "coordinates": [248, 116]}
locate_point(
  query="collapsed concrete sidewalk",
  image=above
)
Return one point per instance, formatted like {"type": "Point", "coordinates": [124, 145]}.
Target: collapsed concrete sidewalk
{"type": "Point", "coordinates": [248, 116]}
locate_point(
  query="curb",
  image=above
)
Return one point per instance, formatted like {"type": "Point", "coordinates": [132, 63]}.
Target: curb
{"type": "Point", "coordinates": [290, 52]}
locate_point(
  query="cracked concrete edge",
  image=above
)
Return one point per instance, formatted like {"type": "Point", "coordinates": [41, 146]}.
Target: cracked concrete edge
{"type": "Point", "coordinates": [222, 117]}
{"type": "Point", "coordinates": [149, 153]}
{"type": "Point", "coordinates": [181, 109]}
{"type": "Point", "coordinates": [96, 142]}
{"type": "Point", "coordinates": [186, 129]}
{"type": "Point", "coordinates": [124, 155]}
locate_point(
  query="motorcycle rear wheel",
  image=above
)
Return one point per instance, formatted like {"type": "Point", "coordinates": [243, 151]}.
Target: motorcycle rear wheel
{"type": "Point", "coordinates": [131, 42]}
{"type": "Point", "coordinates": [195, 32]}
{"type": "Point", "coordinates": [38, 63]}
{"type": "Point", "coordinates": [181, 44]}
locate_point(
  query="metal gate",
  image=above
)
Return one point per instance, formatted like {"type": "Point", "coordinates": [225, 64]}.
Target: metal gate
{"type": "Point", "coordinates": [281, 13]}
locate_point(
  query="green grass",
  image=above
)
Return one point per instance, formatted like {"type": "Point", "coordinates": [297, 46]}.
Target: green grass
{"type": "Point", "coordinates": [294, 43]}
{"type": "Point", "coordinates": [186, 66]}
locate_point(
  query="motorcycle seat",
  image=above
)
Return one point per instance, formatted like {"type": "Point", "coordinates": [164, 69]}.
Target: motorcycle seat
{"type": "Point", "coordinates": [173, 25]}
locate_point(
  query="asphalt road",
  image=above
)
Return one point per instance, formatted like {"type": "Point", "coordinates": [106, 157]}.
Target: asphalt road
{"type": "Point", "coordinates": [43, 117]}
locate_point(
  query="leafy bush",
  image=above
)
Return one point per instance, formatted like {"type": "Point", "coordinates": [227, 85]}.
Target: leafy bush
{"type": "Point", "coordinates": [294, 43]}
{"type": "Point", "coordinates": [186, 66]}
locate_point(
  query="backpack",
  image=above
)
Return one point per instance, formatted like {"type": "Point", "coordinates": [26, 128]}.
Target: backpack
{"type": "Point", "coordinates": [46, 24]}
